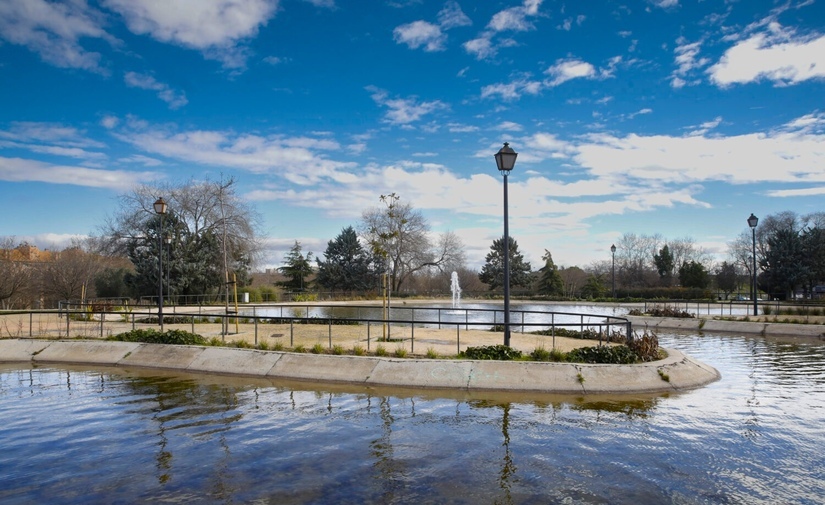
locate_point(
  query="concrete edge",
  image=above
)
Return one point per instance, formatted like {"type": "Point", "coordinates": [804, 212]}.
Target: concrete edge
{"type": "Point", "coordinates": [677, 372]}
{"type": "Point", "coordinates": [700, 324]}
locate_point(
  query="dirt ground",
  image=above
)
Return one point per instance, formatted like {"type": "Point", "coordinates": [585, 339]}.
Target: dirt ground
{"type": "Point", "coordinates": [447, 341]}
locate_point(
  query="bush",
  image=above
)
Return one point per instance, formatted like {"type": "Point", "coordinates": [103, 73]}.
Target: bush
{"type": "Point", "coordinates": [151, 336]}
{"type": "Point", "coordinates": [400, 352]}
{"type": "Point", "coordinates": [317, 349]}
{"type": "Point", "coordinates": [431, 353]}
{"type": "Point", "coordinates": [613, 355]}
{"type": "Point", "coordinates": [645, 347]}
{"type": "Point", "coordinates": [494, 352]}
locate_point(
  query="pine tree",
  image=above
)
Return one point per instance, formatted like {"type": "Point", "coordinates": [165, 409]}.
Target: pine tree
{"type": "Point", "coordinates": [492, 273]}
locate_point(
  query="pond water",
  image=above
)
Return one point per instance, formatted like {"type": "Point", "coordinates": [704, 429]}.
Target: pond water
{"type": "Point", "coordinates": [77, 435]}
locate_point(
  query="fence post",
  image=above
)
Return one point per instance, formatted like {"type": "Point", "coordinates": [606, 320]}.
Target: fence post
{"type": "Point", "coordinates": [329, 322]}
{"type": "Point", "coordinates": [102, 317]}
{"type": "Point", "coordinates": [31, 322]}
{"type": "Point", "coordinates": [256, 325]}
{"type": "Point", "coordinates": [291, 340]}
{"type": "Point", "coordinates": [368, 334]}
{"type": "Point", "coordinates": [458, 338]}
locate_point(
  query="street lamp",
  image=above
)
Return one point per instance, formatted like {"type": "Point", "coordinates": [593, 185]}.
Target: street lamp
{"type": "Point", "coordinates": [168, 239]}
{"type": "Point", "coordinates": [613, 270]}
{"type": "Point", "coordinates": [505, 161]}
{"type": "Point", "coordinates": [752, 223]}
{"type": "Point", "coordinates": [160, 209]}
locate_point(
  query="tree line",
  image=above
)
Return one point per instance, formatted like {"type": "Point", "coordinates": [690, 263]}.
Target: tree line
{"type": "Point", "coordinates": [208, 242]}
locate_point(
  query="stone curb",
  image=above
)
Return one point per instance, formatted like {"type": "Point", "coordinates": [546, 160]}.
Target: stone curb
{"type": "Point", "coordinates": [675, 373]}
{"type": "Point", "coordinates": [699, 324]}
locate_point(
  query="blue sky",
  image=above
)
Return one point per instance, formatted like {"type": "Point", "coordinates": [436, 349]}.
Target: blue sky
{"type": "Point", "coordinates": [678, 117]}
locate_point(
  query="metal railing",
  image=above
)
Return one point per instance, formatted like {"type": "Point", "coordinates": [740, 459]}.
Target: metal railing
{"type": "Point", "coordinates": [399, 326]}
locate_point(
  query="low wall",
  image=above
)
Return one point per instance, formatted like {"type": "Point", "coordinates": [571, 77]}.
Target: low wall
{"type": "Point", "coordinates": [699, 324]}
{"type": "Point", "coordinates": [675, 373]}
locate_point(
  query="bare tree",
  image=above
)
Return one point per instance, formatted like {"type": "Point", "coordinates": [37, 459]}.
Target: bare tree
{"type": "Point", "coordinates": [14, 275]}
{"type": "Point", "coordinates": [400, 235]}
{"type": "Point", "coordinates": [72, 272]}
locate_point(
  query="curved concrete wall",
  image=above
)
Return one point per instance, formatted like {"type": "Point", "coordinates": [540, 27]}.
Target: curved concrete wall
{"type": "Point", "coordinates": [675, 373]}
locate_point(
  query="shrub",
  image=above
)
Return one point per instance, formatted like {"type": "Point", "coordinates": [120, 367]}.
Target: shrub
{"type": "Point", "coordinates": [152, 336]}
{"type": "Point", "coordinates": [540, 354]}
{"type": "Point", "coordinates": [400, 352]}
{"type": "Point", "coordinates": [615, 355]}
{"type": "Point", "coordinates": [494, 352]}
{"type": "Point", "coordinates": [646, 347]}
{"type": "Point", "coordinates": [337, 350]}
{"type": "Point", "coordinates": [380, 351]}
{"type": "Point", "coordinates": [359, 350]}
{"type": "Point", "coordinates": [431, 353]}
{"type": "Point", "coordinates": [317, 349]}
{"type": "Point", "coordinates": [240, 344]}
{"type": "Point", "coordinates": [299, 348]}
{"type": "Point", "coordinates": [278, 346]}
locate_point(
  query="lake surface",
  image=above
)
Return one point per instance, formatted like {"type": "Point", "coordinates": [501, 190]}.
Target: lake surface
{"type": "Point", "coordinates": [77, 435]}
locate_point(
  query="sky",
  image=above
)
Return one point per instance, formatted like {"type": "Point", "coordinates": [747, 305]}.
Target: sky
{"type": "Point", "coordinates": [670, 117]}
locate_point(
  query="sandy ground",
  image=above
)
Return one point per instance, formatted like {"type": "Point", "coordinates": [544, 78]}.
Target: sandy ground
{"type": "Point", "coordinates": [418, 341]}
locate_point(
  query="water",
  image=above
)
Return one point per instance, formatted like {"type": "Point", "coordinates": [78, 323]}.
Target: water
{"type": "Point", "coordinates": [455, 289]}
{"type": "Point", "coordinates": [75, 435]}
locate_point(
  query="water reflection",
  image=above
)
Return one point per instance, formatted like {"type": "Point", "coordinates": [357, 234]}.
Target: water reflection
{"type": "Point", "coordinates": [128, 435]}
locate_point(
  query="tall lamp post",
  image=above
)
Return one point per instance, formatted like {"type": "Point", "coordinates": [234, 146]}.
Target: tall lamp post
{"type": "Point", "coordinates": [505, 161]}
{"type": "Point", "coordinates": [752, 220]}
{"type": "Point", "coordinates": [168, 239]}
{"type": "Point", "coordinates": [160, 209]}
{"type": "Point", "coordinates": [613, 270]}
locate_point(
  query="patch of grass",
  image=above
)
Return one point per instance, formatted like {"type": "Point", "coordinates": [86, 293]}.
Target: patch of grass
{"type": "Point", "coordinates": [358, 350]}
{"type": "Point", "coordinates": [278, 346]}
{"type": "Point", "coordinates": [299, 348]}
{"type": "Point", "coordinates": [317, 349]}
{"type": "Point", "coordinates": [665, 377]}
{"type": "Point", "coordinates": [400, 352]}
{"type": "Point", "coordinates": [337, 350]}
{"type": "Point", "coordinates": [431, 353]}
{"type": "Point", "coordinates": [493, 352]}
{"type": "Point", "coordinates": [152, 336]}
{"type": "Point", "coordinates": [540, 353]}
{"type": "Point", "coordinates": [380, 351]}
{"type": "Point", "coordinates": [580, 378]}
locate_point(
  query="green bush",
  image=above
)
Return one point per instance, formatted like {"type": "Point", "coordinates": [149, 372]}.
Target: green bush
{"type": "Point", "coordinates": [152, 336]}
{"type": "Point", "coordinates": [317, 349]}
{"type": "Point", "coordinates": [614, 355]}
{"type": "Point", "coordinates": [494, 352]}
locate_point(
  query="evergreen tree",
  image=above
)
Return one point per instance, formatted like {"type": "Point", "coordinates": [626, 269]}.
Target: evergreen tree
{"type": "Point", "coordinates": [296, 268]}
{"type": "Point", "coordinates": [664, 265]}
{"type": "Point", "coordinates": [594, 287]}
{"type": "Point", "coordinates": [693, 275]}
{"type": "Point", "coordinates": [550, 282]}
{"type": "Point", "coordinates": [784, 264]}
{"type": "Point", "coordinates": [492, 273]}
{"type": "Point", "coordinates": [726, 278]}
{"type": "Point", "coordinates": [346, 265]}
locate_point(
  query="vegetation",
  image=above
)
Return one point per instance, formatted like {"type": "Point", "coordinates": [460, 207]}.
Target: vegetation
{"type": "Point", "coordinates": [151, 336]}
{"type": "Point", "coordinates": [296, 269]}
{"type": "Point", "coordinates": [492, 352]}
{"type": "Point", "coordinates": [492, 273]}
{"type": "Point", "coordinates": [347, 266]}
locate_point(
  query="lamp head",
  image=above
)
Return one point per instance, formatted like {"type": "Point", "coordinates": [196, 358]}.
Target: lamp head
{"type": "Point", "coordinates": [506, 159]}
{"type": "Point", "coordinates": [752, 221]}
{"type": "Point", "coordinates": [160, 206]}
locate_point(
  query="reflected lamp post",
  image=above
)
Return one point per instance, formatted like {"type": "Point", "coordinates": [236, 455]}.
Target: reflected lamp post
{"type": "Point", "coordinates": [613, 270]}
{"type": "Point", "coordinates": [752, 221]}
{"type": "Point", "coordinates": [505, 161]}
{"type": "Point", "coordinates": [160, 209]}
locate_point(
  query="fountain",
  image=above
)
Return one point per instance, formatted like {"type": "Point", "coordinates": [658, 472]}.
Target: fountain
{"type": "Point", "coordinates": [456, 289]}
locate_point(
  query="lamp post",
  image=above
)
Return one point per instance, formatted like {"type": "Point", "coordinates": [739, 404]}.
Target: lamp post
{"type": "Point", "coordinates": [752, 220]}
{"type": "Point", "coordinates": [168, 239]}
{"type": "Point", "coordinates": [613, 270]}
{"type": "Point", "coordinates": [505, 161]}
{"type": "Point", "coordinates": [160, 209]}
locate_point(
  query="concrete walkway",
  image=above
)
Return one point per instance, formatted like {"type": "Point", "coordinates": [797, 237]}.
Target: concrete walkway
{"type": "Point", "coordinates": [677, 372]}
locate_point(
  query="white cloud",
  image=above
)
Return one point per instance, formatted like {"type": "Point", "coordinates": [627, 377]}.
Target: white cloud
{"type": "Point", "coordinates": [687, 61]}
{"type": "Point", "coordinates": [175, 99]}
{"type": "Point", "coordinates": [481, 47]}
{"type": "Point", "coordinates": [420, 33]}
{"type": "Point", "coordinates": [565, 70]}
{"type": "Point", "coordinates": [793, 193]}
{"type": "Point", "coordinates": [215, 27]}
{"type": "Point", "coordinates": [428, 35]}
{"type": "Point", "coordinates": [26, 170]}
{"type": "Point", "coordinates": [665, 4]}
{"type": "Point", "coordinates": [776, 55]}
{"type": "Point", "coordinates": [54, 31]}
{"type": "Point", "coordinates": [451, 16]}
{"type": "Point", "coordinates": [515, 18]}
{"type": "Point", "coordinates": [403, 111]}
{"type": "Point", "coordinates": [300, 160]}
